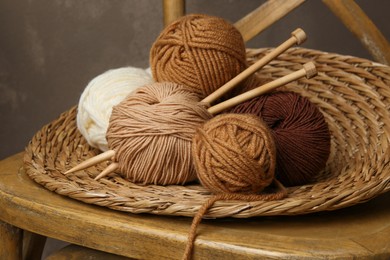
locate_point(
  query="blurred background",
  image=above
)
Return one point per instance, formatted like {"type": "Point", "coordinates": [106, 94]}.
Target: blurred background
{"type": "Point", "coordinates": [51, 49]}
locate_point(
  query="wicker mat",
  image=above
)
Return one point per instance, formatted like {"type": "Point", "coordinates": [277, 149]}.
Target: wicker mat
{"type": "Point", "coordinates": [352, 93]}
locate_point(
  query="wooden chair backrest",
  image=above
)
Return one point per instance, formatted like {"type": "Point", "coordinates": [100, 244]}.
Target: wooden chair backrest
{"type": "Point", "coordinates": [348, 11]}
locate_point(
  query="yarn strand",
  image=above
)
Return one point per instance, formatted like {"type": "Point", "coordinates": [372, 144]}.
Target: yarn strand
{"type": "Point", "coordinates": [282, 193]}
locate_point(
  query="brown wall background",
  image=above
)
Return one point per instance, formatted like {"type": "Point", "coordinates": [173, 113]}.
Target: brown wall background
{"type": "Point", "coordinates": [50, 49]}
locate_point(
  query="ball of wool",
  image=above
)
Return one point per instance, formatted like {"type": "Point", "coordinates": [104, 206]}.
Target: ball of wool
{"type": "Point", "coordinates": [151, 133]}
{"type": "Point", "coordinates": [98, 98]}
{"type": "Point", "coordinates": [199, 51]}
{"type": "Point", "coordinates": [300, 132]}
{"type": "Point", "coordinates": [234, 153]}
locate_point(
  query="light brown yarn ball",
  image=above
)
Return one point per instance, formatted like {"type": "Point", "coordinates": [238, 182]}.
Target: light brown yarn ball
{"type": "Point", "coordinates": [151, 133]}
{"type": "Point", "coordinates": [234, 153]}
{"type": "Point", "coordinates": [199, 51]}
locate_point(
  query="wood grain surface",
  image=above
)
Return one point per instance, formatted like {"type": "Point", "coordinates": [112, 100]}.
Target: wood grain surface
{"type": "Point", "coordinates": [359, 232]}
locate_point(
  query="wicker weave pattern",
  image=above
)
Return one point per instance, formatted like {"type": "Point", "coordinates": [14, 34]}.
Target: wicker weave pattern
{"type": "Point", "coordinates": [353, 94]}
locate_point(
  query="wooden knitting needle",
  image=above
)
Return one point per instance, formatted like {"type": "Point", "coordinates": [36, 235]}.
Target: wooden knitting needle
{"type": "Point", "coordinates": [96, 160]}
{"type": "Point", "coordinates": [93, 161]}
{"type": "Point", "coordinates": [109, 169]}
{"type": "Point", "coordinates": [298, 36]}
{"type": "Point", "coordinates": [308, 70]}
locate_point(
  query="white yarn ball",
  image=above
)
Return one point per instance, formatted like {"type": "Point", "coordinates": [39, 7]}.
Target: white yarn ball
{"type": "Point", "coordinates": [149, 71]}
{"type": "Point", "coordinates": [101, 94]}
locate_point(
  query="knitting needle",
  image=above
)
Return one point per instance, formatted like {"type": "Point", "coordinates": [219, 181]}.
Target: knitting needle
{"type": "Point", "coordinates": [93, 161]}
{"type": "Point", "coordinates": [309, 70]}
{"type": "Point", "coordinates": [298, 36]}
{"type": "Point", "coordinates": [109, 169]}
{"type": "Point", "coordinates": [96, 160]}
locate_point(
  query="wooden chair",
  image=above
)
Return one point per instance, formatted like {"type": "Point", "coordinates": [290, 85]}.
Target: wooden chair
{"type": "Point", "coordinates": [32, 212]}
{"type": "Point", "coordinates": [356, 21]}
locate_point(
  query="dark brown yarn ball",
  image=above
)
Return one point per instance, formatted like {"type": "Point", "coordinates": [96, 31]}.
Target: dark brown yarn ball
{"type": "Point", "coordinates": [234, 153]}
{"type": "Point", "coordinates": [300, 132]}
{"type": "Point", "coordinates": [199, 51]}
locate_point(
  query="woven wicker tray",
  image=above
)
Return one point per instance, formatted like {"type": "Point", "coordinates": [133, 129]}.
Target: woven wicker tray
{"type": "Point", "coordinates": [352, 93]}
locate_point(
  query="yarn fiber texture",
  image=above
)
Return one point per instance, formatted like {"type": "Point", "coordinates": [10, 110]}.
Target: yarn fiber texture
{"type": "Point", "coordinates": [151, 133]}
{"type": "Point", "coordinates": [234, 153]}
{"type": "Point", "coordinates": [300, 132]}
{"type": "Point", "coordinates": [199, 51]}
{"type": "Point", "coordinates": [100, 95]}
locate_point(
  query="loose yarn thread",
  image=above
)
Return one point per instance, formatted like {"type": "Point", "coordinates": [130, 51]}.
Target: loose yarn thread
{"type": "Point", "coordinates": [282, 193]}
{"type": "Point", "coordinates": [300, 132]}
{"type": "Point", "coordinates": [100, 95]}
{"type": "Point", "coordinates": [151, 133]}
{"type": "Point", "coordinates": [199, 51]}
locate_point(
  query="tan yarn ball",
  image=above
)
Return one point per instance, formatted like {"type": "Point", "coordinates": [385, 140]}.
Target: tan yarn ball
{"type": "Point", "coordinates": [199, 51]}
{"type": "Point", "coordinates": [234, 153]}
{"type": "Point", "coordinates": [151, 133]}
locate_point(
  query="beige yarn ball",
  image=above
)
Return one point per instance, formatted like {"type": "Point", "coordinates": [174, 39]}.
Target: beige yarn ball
{"type": "Point", "coordinates": [151, 133]}
{"type": "Point", "coordinates": [101, 94]}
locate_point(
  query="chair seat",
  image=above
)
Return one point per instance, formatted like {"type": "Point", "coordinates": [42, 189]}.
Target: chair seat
{"type": "Point", "coordinates": [359, 232]}
{"type": "Point", "coordinates": [73, 252]}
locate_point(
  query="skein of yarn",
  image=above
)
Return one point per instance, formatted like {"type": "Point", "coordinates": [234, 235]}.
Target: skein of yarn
{"type": "Point", "coordinates": [235, 157]}
{"type": "Point", "coordinates": [234, 153]}
{"type": "Point", "coordinates": [151, 133]}
{"type": "Point", "coordinates": [100, 95]}
{"type": "Point", "coordinates": [300, 132]}
{"type": "Point", "coordinates": [199, 51]}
